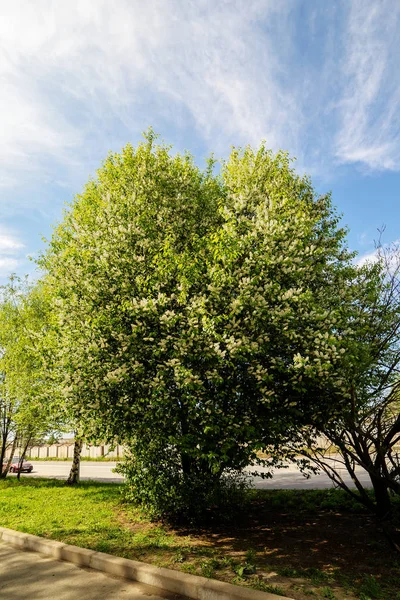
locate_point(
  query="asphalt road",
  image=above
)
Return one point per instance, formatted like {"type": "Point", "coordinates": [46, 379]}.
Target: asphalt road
{"type": "Point", "coordinates": [288, 478]}
{"type": "Point", "coordinates": [99, 471]}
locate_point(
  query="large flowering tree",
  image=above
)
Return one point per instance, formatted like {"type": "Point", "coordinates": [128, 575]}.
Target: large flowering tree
{"type": "Point", "coordinates": [200, 316]}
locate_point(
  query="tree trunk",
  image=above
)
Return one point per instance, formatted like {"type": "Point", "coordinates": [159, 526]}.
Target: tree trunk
{"type": "Point", "coordinates": [186, 462]}
{"type": "Point", "coordinates": [384, 511]}
{"type": "Point", "coordinates": [382, 498]}
{"type": "Point", "coordinates": [4, 473]}
{"type": "Point", "coordinates": [22, 458]}
{"type": "Point", "coordinates": [3, 449]}
{"type": "Point", "coordinates": [75, 468]}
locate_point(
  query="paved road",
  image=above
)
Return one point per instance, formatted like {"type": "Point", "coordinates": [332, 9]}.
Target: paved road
{"type": "Point", "coordinates": [30, 576]}
{"type": "Point", "coordinates": [289, 478]}
{"type": "Point", "coordinates": [99, 471]}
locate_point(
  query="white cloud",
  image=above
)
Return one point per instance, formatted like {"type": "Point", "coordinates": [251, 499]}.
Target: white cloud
{"type": "Point", "coordinates": [9, 244]}
{"type": "Point", "coordinates": [370, 106]}
{"type": "Point", "coordinates": [72, 70]}
{"type": "Point", "coordinates": [81, 76]}
{"type": "Point", "coordinates": [368, 257]}
{"type": "Point", "coordinates": [8, 266]}
{"type": "Point", "coordinates": [388, 252]}
{"type": "Point", "coordinates": [11, 252]}
{"type": "Point", "coordinates": [364, 239]}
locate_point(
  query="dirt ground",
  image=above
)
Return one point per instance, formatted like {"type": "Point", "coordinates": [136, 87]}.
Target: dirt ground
{"type": "Point", "coordinates": [324, 553]}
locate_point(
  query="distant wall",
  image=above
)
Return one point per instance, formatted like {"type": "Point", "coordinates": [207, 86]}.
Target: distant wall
{"type": "Point", "coordinates": [66, 450]}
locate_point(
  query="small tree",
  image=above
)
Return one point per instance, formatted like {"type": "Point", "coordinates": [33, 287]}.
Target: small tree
{"type": "Point", "coordinates": [7, 432]}
{"type": "Point", "coordinates": [25, 412]}
{"type": "Point", "coordinates": [74, 474]}
{"type": "Point", "coordinates": [185, 303]}
{"type": "Point", "coordinates": [364, 436]}
{"type": "Point", "coordinates": [368, 434]}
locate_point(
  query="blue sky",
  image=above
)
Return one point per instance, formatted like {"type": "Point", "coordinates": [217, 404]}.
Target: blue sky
{"type": "Point", "coordinates": [79, 78]}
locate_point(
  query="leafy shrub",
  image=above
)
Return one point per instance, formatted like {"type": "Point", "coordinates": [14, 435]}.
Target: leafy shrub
{"type": "Point", "coordinates": [158, 484]}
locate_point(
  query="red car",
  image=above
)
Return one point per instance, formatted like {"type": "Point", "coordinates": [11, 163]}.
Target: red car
{"type": "Point", "coordinates": [26, 467]}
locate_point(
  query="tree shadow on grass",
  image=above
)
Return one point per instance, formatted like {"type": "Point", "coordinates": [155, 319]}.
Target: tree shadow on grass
{"type": "Point", "coordinates": [315, 529]}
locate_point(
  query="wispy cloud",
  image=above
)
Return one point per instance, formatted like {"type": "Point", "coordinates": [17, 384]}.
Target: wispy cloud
{"type": "Point", "coordinates": [370, 107]}
{"type": "Point", "coordinates": [8, 243]}
{"type": "Point", "coordinates": [73, 72]}
{"type": "Point", "coordinates": [367, 257]}
{"type": "Point", "coordinates": [389, 253]}
{"type": "Point", "coordinates": [11, 252]}
{"type": "Point", "coordinates": [83, 76]}
{"type": "Point", "coordinates": [8, 266]}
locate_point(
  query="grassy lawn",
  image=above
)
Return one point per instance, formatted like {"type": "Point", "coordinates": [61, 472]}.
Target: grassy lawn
{"type": "Point", "coordinates": [301, 543]}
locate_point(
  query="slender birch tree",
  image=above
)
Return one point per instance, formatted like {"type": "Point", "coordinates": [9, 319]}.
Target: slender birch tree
{"type": "Point", "coordinates": [25, 409]}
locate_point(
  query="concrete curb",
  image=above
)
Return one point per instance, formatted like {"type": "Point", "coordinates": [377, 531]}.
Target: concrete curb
{"type": "Point", "coordinates": [192, 586]}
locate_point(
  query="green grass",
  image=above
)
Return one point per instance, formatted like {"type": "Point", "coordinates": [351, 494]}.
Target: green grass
{"type": "Point", "coordinates": [316, 576]}
{"type": "Point", "coordinates": [85, 516]}
{"type": "Point", "coordinates": [310, 501]}
{"type": "Point", "coordinates": [271, 588]}
{"type": "Point", "coordinates": [370, 588]}
{"type": "Point", "coordinates": [93, 515]}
